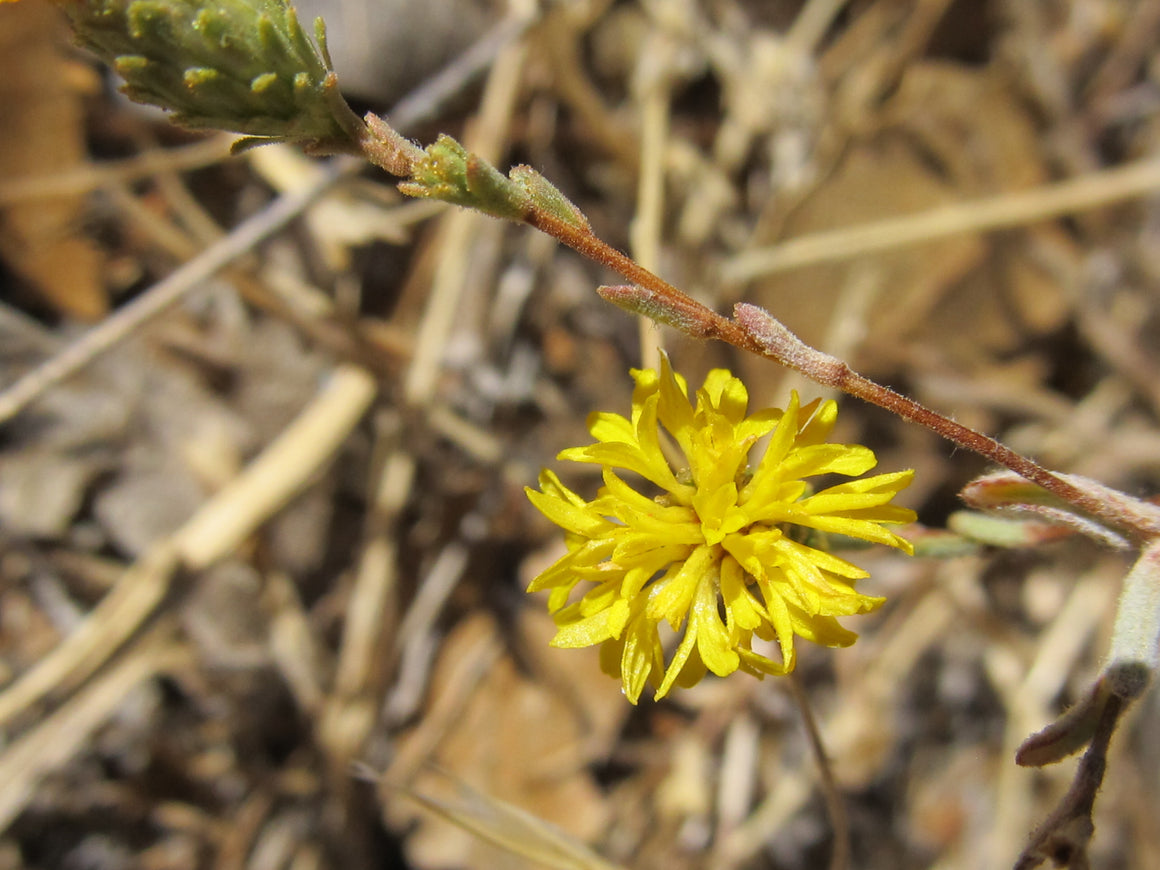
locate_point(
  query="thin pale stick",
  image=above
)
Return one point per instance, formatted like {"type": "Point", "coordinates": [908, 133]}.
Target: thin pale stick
{"type": "Point", "coordinates": [426, 100]}
{"type": "Point", "coordinates": [1005, 211]}
{"type": "Point", "coordinates": [811, 24]}
{"type": "Point", "coordinates": [280, 471]}
{"type": "Point", "coordinates": [488, 137]}
{"type": "Point", "coordinates": [264, 487]}
{"type": "Point", "coordinates": [57, 738]}
{"type": "Point", "coordinates": [132, 600]}
{"type": "Point", "coordinates": [646, 226]}
{"type": "Point", "coordinates": [169, 291]}
{"type": "Point", "coordinates": [94, 175]}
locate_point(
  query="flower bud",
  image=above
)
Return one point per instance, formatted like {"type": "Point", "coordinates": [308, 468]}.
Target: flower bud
{"type": "Point", "coordinates": [241, 65]}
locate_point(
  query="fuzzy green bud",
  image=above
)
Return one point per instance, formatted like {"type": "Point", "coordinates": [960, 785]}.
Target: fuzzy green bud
{"type": "Point", "coordinates": [547, 197]}
{"type": "Point", "coordinates": [448, 171]}
{"type": "Point", "coordinates": [241, 65]}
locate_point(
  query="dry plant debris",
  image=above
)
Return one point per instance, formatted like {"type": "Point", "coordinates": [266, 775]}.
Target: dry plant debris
{"type": "Point", "coordinates": [262, 561]}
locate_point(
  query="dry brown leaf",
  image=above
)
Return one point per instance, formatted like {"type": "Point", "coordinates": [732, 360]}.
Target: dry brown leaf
{"type": "Point", "coordinates": [41, 133]}
{"type": "Point", "coordinates": [963, 294]}
{"type": "Point", "coordinates": [876, 179]}
{"type": "Point", "coordinates": [939, 105]}
{"type": "Point", "coordinates": [517, 738]}
{"type": "Point", "coordinates": [516, 832]}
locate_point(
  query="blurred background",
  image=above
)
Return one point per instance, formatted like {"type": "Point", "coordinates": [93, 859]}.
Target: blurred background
{"type": "Point", "coordinates": [207, 665]}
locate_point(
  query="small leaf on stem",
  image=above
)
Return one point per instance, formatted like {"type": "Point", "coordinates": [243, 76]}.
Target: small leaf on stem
{"type": "Point", "coordinates": [1065, 835]}
{"type": "Point", "coordinates": [547, 197]}
{"type": "Point", "coordinates": [388, 149]}
{"type": "Point", "coordinates": [779, 343]}
{"type": "Point", "coordinates": [1131, 662]}
{"type": "Point", "coordinates": [1122, 518]}
{"type": "Point", "coordinates": [1136, 635]}
{"type": "Point", "coordinates": [1006, 532]}
{"type": "Point", "coordinates": [687, 316]}
{"type": "Point", "coordinates": [1068, 734]}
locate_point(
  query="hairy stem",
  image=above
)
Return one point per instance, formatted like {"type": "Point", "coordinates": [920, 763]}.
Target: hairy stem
{"type": "Point", "coordinates": [824, 369]}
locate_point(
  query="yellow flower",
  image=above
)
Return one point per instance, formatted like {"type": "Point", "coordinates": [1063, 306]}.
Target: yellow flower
{"type": "Point", "coordinates": [722, 551]}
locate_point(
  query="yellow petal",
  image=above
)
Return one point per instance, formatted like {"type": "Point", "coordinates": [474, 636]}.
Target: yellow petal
{"type": "Point", "coordinates": [783, 627]}
{"type": "Point", "coordinates": [568, 569]}
{"type": "Point", "coordinates": [759, 424]}
{"type": "Point", "coordinates": [776, 451]}
{"type": "Point", "coordinates": [863, 530]}
{"type": "Point", "coordinates": [591, 630]}
{"type": "Point", "coordinates": [743, 612]}
{"type": "Point", "coordinates": [759, 665]}
{"type": "Point", "coordinates": [605, 426]}
{"type": "Point", "coordinates": [713, 640]}
{"type": "Point", "coordinates": [648, 436]}
{"type": "Point", "coordinates": [673, 410]}
{"type": "Point", "coordinates": [671, 596]}
{"type": "Point", "coordinates": [550, 484]}
{"type": "Point", "coordinates": [568, 516]}
{"type": "Point", "coordinates": [818, 421]}
{"type": "Point", "coordinates": [618, 493]}
{"type": "Point", "coordinates": [726, 394]}
{"type": "Point", "coordinates": [680, 657]}
{"type": "Point", "coordinates": [641, 654]}
{"type": "Point", "coordinates": [846, 459]}
{"type": "Point", "coordinates": [823, 630]}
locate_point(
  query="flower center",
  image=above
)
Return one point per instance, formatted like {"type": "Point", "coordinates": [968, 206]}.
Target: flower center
{"type": "Point", "coordinates": [719, 513]}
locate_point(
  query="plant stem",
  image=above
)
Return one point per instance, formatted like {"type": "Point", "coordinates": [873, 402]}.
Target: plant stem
{"type": "Point", "coordinates": [833, 373]}
{"type": "Point", "coordinates": [839, 821]}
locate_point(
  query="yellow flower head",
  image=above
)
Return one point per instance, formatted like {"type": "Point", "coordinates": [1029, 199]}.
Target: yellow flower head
{"type": "Point", "coordinates": [725, 550]}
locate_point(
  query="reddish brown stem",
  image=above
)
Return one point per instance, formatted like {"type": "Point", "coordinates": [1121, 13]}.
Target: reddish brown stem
{"type": "Point", "coordinates": [985, 445]}
{"type": "Point", "coordinates": [837, 374]}
{"type": "Point", "coordinates": [1065, 835]}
